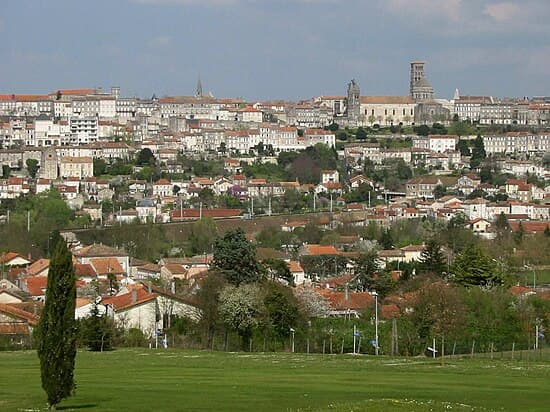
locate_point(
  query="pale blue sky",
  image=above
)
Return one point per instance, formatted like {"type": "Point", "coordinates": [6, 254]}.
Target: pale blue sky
{"type": "Point", "coordinates": [278, 49]}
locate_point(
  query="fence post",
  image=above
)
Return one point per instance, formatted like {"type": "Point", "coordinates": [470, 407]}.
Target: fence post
{"type": "Point", "coordinates": [513, 348]}
{"type": "Point", "coordinates": [454, 348]}
{"type": "Point", "coordinates": [342, 349]}
{"type": "Point", "coordinates": [308, 346]}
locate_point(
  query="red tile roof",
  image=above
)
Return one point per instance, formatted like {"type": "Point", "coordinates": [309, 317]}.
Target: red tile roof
{"type": "Point", "coordinates": [354, 300]}
{"type": "Point", "coordinates": [12, 311]}
{"type": "Point", "coordinates": [314, 250]}
{"type": "Point", "coordinates": [126, 301]}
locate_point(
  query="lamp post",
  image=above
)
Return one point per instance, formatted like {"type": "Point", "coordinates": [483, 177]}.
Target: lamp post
{"type": "Point", "coordinates": [292, 331]}
{"type": "Point", "coordinates": [375, 294]}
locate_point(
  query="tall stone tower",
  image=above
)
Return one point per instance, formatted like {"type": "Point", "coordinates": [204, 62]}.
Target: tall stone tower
{"type": "Point", "coordinates": [420, 88]}
{"type": "Point", "coordinates": [353, 103]}
{"type": "Point", "coordinates": [48, 168]}
{"type": "Point", "coordinates": [199, 87]}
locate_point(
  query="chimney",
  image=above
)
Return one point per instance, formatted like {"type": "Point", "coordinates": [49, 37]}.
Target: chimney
{"type": "Point", "coordinates": [134, 295]}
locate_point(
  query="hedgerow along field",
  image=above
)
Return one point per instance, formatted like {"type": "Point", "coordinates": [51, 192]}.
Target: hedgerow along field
{"type": "Point", "coordinates": [176, 380]}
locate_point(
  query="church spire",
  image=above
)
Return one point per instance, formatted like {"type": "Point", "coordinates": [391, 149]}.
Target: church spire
{"type": "Point", "coordinates": [199, 87]}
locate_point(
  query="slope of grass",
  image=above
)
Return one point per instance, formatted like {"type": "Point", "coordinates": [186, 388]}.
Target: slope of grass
{"type": "Point", "coordinates": [172, 380]}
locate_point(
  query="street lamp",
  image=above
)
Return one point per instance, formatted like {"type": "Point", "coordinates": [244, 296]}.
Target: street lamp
{"type": "Point", "coordinates": [373, 293]}
{"type": "Point", "coordinates": [292, 337]}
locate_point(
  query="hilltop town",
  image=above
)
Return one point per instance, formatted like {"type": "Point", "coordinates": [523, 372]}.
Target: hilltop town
{"type": "Point", "coordinates": [316, 184]}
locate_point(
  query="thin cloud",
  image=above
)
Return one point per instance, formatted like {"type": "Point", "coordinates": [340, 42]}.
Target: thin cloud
{"type": "Point", "coordinates": [502, 12]}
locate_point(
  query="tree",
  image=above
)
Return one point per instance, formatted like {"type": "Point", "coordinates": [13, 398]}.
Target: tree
{"type": "Point", "coordinates": [386, 239]}
{"type": "Point", "coordinates": [432, 259]}
{"type": "Point", "coordinates": [6, 171]}
{"type": "Point", "coordinates": [365, 271]}
{"type": "Point", "coordinates": [145, 157]}
{"type": "Point", "coordinates": [501, 225]}
{"type": "Point", "coordinates": [439, 191]}
{"type": "Point", "coordinates": [56, 332]}
{"type": "Point", "coordinates": [361, 134]}
{"type": "Point", "coordinates": [96, 331]}
{"type": "Point", "coordinates": [473, 267]}
{"type": "Point", "coordinates": [478, 153]}
{"type": "Point", "coordinates": [462, 146]}
{"type": "Point", "coordinates": [235, 257]}
{"type": "Point", "coordinates": [278, 269]}
{"type": "Point", "coordinates": [281, 309]}
{"type": "Point", "coordinates": [240, 308]}
{"type": "Point", "coordinates": [32, 167]}
{"type": "Point", "coordinates": [202, 236]}
{"type": "Point", "coordinates": [208, 302]}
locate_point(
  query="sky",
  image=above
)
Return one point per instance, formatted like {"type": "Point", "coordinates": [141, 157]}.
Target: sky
{"type": "Point", "coordinates": [275, 49]}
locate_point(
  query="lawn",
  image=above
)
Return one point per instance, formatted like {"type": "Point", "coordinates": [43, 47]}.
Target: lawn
{"type": "Point", "coordinates": [174, 380]}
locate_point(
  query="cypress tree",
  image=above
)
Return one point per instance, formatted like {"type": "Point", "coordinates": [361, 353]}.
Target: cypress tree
{"type": "Point", "coordinates": [56, 332]}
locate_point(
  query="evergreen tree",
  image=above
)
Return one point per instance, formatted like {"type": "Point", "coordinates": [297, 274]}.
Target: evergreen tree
{"type": "Point", "coordinates": [366, 269]}
{"type": "Point", "coordinates": [478, 153]}
{"type": "Point", "coordinates": [473, 267]}
{"type": "Point", "coordinates": [432, 259]}
{"type": "Point", "coordinates": [501, 224]}
{"type": "Point", "coordinates": [56, 332]}
{"type": "Point", "coordinates": [235, 258]}
{"type": "Point", "coordinates": [547, 231]}
{"type": "Point", "coordinates": [96, 331]}
{"type": "Point", "coordinates": [520, 234]}
{"type": "Point", "coordinates": [386, 239]}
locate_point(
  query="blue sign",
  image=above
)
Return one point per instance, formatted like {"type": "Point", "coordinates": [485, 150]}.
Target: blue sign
{"type": "Point", "coordinates": [158, 332]}
{"type": "Point", "coordinates": [373, 343]}
{"type": "Point", "coordinates": [357, 334]}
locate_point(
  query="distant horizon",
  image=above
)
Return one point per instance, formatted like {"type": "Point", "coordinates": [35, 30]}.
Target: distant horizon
{"type": "Point", "coordinates": [276, 50]}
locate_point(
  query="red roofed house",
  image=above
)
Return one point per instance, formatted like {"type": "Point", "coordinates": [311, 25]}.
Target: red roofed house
{"type": "Point", "coordinates": [86, 254]}
{"type": "Point", "coordinates": [11, 259]}
{"type": "Point", "coordinates": [17, 324]}
{"type": "Point", "coordinates": [346, 303]}
{"type": "Point", "coordinates": [317, 250]}
{"type": "Point", "coordinates": [134, 307]}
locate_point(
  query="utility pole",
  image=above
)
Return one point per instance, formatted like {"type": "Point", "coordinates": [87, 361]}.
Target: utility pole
{"type": "Point", "coordinates": [28, 221]}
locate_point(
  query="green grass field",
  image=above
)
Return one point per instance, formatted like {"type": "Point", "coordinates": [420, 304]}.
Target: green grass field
{"type": "Point", "coordinates": [174, 380]}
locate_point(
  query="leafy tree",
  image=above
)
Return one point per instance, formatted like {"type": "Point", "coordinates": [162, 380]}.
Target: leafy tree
{"type": "Point", "coordinates": [32, 167]}
{"type": "Point", "coordinates": [240, 308]}
{"type": "Point", "coordinates": [361, 134]}
{"type": "Point", "coordinates": [278, 269]}
{"type": "Point", "coordinates": [432, 259]}
{"type": "Point", "coordinates": [281, 309]}
{"type": "Point", "coordinates": [145, 157]}
{"type": "Point", "coordinates": [422, 130]}
{"type": "Point", "coordinates": [404, 172]}
{"type": "Point", "coordinates": [365, 271]}
{"type": "Point", "coordinates": [202, 235]}
{"type": "Point", "coordinates": [313, 304]}
{"type": "Point", "coordinates": [100, 166]}
{"type": "Point", "coordinates": [473, 267]}
{"type": "Point", "coordinates": [97, 331]}
{"type": "Point", "coordinates": [386, 239]}
{"type": "Point", "coordinates": [333, 127]}
{"type": "Point", "coordinates": [439, 191]}
{"type": "Point", "coordinates": [235, 257]}
{"type": "Point", "coordinates": [547, 231]}
{"type": "Point", "coordinates": [501, 224]}
{"type": "Point", "coordinates": [208, 302]}
{"type": "Point", "coordinates": [56, 332]}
